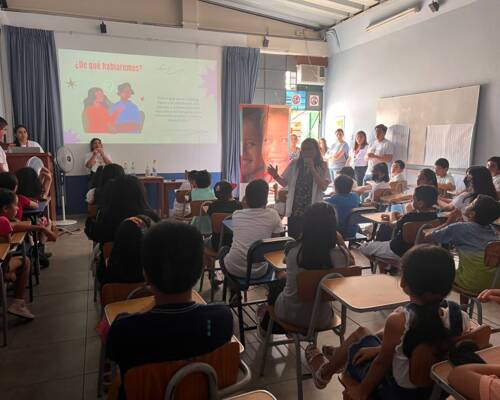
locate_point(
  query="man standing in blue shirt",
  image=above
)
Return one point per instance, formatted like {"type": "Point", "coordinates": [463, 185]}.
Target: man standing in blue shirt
{"type": "Point", "coordinates": [130, 119]}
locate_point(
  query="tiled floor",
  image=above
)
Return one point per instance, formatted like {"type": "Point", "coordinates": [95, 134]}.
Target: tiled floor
{"type": "Point", "coordinates": [56, 356]}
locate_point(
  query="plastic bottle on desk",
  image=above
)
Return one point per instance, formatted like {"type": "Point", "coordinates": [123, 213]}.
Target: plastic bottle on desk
{"type": "Point", "coordinates": [154, 171]}
{"type": "Point", "coordinates": [132, 169]}
{"type": "Point", "coordinates": [125, 168]}
{"type": "Point", "coordinates": [147, 172]}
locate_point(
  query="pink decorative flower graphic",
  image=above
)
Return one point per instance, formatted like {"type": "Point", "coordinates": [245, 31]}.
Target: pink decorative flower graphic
{"type": "Point", "coordinates": [70, 136]}
{"type": "Point", "coordinates": [209, 79]}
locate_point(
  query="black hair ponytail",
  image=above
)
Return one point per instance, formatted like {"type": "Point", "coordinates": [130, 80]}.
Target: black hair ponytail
{"type": "Point", "coordinates": [428, 272]}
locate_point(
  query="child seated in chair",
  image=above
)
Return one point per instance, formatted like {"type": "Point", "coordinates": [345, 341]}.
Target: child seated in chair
{"type": "Point", "coordinates": [202, 191]}
{"type": "Point", "coordinates": [344, 200]}
{"type": "Point", "coordinates": [249, 225]}
{"type": "Point", "coordinates": [470, 239]}
{"type": "Point", "coordinates": [380, 174]}
{"type": "Point", "coordinates": [424, 199]}
{"type": "Point", "coordinates": [478, 381]}
{"type": "Point", "coordinates": [14, 271]}
{"type": "Point", "coordinates": [225, 203]}
{"type": "Point", "coordinates": [176, 328]}
{"type": "Point", "coordinates": [381, 363]}
{"type": "Point", "coordinates": [9, 181]}
{"type": "Point", "coordinates": [319, 248]}
{"type": "Point", "coordinates": [180, 209]}
{"type": "Point", "coordinates": [397, 171]}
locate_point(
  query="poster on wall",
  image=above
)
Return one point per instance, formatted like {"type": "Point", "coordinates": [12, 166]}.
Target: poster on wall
{"type": "Point", "coordinates": [264, 140]}
{"type": "Point", "coordinates": [296, 99]}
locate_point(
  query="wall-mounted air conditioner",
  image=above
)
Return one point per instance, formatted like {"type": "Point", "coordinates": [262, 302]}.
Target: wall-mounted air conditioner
{"type": "Point", "coordinates": [311, 75]}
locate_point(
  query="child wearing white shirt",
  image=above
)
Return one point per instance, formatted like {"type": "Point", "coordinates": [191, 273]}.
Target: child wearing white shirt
{"type": "Point", "coordinates": [249, 225]}
{"type": "Point", "coordinates": [446, 182]}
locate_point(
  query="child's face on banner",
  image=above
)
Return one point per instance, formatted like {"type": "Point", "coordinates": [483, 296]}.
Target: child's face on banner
{"type": "Point", "coordinates": [275, 146]}
{"type": "Point", "coordinates": [251, 159]}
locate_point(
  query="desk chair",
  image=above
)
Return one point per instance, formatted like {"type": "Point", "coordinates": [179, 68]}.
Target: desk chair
{"type": "Point", "coordinates": [413, 233]}
{"type": "Point", "coordinates": [204, 377]}
{"type": "Point", "coordinates": [255, 395]}
{"type": "Point", "coordinates": [376, 198]}
{"type": "Point", "coordinates": [210, 256]}
{"type": "Point", "coordinates": [398, 187]}
{"type": "Point", "coordinates": [5, 306]}
{"type": "Point", "coordinates": [106, 250]}
{"type": "Point", "coordinates": [110, 293]}
{"type": "Point", "coordinates": [355, 218]}
{"type": "Point", "coordinates": [309, 292]}
{"type": "Point", "coordinates": [241, 285]}
{"type": "Point", "coordinates": [492, 260]}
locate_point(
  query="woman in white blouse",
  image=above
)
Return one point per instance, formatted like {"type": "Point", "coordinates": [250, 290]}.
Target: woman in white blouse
{"type": "Point", "coordinates": [21, 138]}
{"type": "Point", "coordinates": [97, 156]}
{"type": "Point", "coordinates": [357, 157]}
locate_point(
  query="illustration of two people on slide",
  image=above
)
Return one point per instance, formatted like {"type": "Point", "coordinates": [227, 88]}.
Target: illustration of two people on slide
{"type": "Point", "coordinates": [101, 116]}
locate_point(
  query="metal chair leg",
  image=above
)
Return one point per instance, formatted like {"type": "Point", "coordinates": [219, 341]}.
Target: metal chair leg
{"type": "Point", "coordinates": [240, 320]}
{"type": "Point", "coordinates": [3, 289]}
{"type": "Point", "coordinates": [298, 367]}
{"type": "Point", "coordinates": [479, 310]}
{"type": "Point", "coordinates": [269, 331]}
{"type": "Point", "coordinates": [100, 374]}
{"type": "Point", "coordinates": [224, 290]}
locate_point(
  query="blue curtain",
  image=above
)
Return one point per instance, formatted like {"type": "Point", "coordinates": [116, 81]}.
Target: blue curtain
{"type": "Point", "coordinates": [239, 77]}
{"type": "Point", "coordinates": [34, 83]}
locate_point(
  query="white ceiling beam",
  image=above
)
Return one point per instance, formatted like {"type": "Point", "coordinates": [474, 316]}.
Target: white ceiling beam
{"type": "Point", "coordinates": [245, 6]}
{"type": "Point", "coordinates": [366, 3]}
{"type": "Point", "coordinates": [339, 5]}
{"type": "Point", "coordinates": [313, 9]}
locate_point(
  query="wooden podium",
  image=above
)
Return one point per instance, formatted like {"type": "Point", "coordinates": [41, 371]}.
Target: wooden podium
{"type": "Point", "coordinates": [18, 160]}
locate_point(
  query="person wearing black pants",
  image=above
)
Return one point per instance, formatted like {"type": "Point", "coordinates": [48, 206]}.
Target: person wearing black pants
{"type": "Point", "coordinates": [306, 178]}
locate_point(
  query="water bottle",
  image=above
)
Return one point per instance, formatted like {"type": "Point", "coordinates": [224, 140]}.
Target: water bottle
{"type": "Point", "coordinates": [132, 169]}
{"type": "Point", "coordinates": [154, 171]}
{"type": "Point", "coordinates": [125, 168]}
{"type": "Point", "coordinates": [148, 171]}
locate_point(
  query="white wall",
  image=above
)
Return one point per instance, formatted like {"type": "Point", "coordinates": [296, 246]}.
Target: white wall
{"type": "Point", "coordinates": [456, 47]}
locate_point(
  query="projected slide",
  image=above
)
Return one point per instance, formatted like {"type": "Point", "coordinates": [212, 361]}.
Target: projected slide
{"type": "Point", "coordinates": [125, 98]}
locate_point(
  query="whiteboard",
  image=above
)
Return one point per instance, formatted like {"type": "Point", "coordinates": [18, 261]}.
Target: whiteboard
{"type": "Point", "coordinates": [419, 111]}
{"type": "Point", "coordinates": [453, 140]}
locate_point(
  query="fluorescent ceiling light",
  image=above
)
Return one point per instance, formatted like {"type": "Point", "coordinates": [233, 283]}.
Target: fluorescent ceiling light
{"type": "Point", "coordinates": [395, 17]}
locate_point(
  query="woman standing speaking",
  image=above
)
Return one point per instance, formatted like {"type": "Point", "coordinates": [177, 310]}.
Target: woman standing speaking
{"type": "Point", "coordinates": [307, 178]}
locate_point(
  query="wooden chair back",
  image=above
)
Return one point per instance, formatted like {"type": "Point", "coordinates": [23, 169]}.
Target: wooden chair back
{"type": "Point", "coordinates": [492, 254]}
{"type": "Point", "coordinates": [308, 281]}
{"type": "Point", "coordinates": [112, 292]}
{"type": "Point", "coordinates": [411, 229]}
{"type": "Point", "coordinates": [92, 210]}
{"type": "Point", "coordinates": [424, 357]}
{"type": "Point", "coordinates": [148, 382]}
{"type": "Point", "coordinates": [217, 219]}
{"type": "Point", "coordinates": [398, 187]}
{"type": "Point", "coordinates": [196, 207]}
{"type": "Point", "coordinates": [381, 193]}
{"type": "Point", "coordinates": [282, 195]}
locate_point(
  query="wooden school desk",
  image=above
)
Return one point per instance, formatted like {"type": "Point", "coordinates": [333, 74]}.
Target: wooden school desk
{"type": "Point", "coordinates": [4, 250]}
{"type": "Point", "coordinates": [365, 293]}
{"type": "Point", "coordinates": [441, 371]}
{"type": "Point", "coordinates": [396, 198]}
{"type": "Point", "coordinates": [142, 304]}
{"type": "Point", "coordinates": [276, 259]}
{"type": "Point", "coordinates": [377, 217]}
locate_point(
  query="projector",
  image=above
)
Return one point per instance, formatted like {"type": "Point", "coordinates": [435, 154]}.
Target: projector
{"type": "Point", "coordinates": [434, 6]}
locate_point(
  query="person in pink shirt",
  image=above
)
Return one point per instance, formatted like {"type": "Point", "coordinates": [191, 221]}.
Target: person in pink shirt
{"type": "Point", "coordinates": [478, 381]}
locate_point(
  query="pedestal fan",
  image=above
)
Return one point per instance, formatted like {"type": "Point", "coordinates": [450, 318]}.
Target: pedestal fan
{"type": "Point", "coordinates": [65, 164]}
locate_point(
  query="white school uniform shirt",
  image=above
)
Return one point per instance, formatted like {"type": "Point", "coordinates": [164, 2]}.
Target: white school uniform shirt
{"type": "Point", "coordinates": [445, 180]}
{"type": "Point", "coordinates": [358, 159]}
{"type": "Point", "coordinates": [3, 159]}
{"type": "Point", "coordinates": [380, 149]}
{"type": "Point", "coordinates": [462, 201]}
{"type": "Point", "coordinates": [250, 225]}
{"type": "Point", "coordinates": [291, 174]}
{"type": "Point", "coordinates": [398, 177]}
{"type": "Point", "coordinates": [99, 161]}
{"type": "Point", "coordinates": [32, 143]}
{"type": "Point", "coordinates": [496, 182]}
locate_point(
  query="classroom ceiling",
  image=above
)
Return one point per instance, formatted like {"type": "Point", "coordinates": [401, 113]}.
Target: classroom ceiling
{"type": "Point", "coordinates": [316, 14]}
